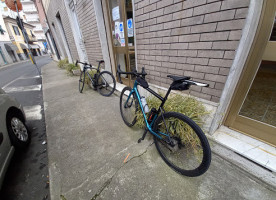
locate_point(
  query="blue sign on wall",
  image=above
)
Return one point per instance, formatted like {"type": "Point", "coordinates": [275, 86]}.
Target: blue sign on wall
{"type": "Point", "coordinates": [129, 23]}
{"type": "Point", "coordinates": [121, 27]}
{"type": "Point", "coordinates": [129, 28]}
{"type": "Point", "coordinates": [45, 45]}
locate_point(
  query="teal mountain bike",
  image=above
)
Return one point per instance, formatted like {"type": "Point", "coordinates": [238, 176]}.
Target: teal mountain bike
{"type": "Point", "coordinates": [179, 140]}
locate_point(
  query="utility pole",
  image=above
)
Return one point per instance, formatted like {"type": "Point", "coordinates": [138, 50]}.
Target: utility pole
{"type": "Point", "coordinates": [21, 26]}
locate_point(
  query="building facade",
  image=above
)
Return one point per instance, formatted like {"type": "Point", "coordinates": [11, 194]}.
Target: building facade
{"type": "Point", "coordinates": [60, 36]}
{"type": "Point", "coordinates": [228, 44]}
{"type": "Point", "coordinates": [17, 38]}
{"type": "Point", "coordinates": [43, 23]}
{"type": "Point", "coordinates": [31, 16]}
{"type": "Point", "coordinates": [7, 48]}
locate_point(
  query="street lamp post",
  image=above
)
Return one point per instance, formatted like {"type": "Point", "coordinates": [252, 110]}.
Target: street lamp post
{"type": "Point", "coordinates": [21, 26]}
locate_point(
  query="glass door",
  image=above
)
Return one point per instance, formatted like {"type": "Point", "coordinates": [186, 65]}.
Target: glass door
{"type": "Point", "coordinates": [122, 28]}
{"type": "Point", "coordinates": [253, 110]}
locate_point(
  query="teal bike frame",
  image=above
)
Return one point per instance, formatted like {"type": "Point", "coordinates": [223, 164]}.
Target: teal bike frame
{"type": "Point", "coordinates": [149, 127]}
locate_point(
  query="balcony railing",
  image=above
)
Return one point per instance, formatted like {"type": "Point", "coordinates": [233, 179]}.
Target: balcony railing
{"type": "Point", "coordinates": [32, 38]}
{"type": "Point", "coordinates": [38, 29]}
{"type": "Point", "coordinates": [33, 20]}
{"type": "Point", "coordinates": [30, 11]}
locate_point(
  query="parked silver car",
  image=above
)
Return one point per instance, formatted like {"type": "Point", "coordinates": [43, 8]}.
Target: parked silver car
{"type": "Point", "coordinates": [13, 131]}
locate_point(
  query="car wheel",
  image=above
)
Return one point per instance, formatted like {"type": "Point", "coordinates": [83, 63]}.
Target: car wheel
{"type": "Point", "coordinates": [18, 131]}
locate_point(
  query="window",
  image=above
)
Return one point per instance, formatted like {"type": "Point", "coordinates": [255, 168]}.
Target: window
{"type": "Point", "coordinates": [32, 33]}
{"type": "Point", "coordinates": [16, 30]}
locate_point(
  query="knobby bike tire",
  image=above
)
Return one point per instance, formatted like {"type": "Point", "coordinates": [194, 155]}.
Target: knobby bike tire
{"type": "Point", "coordinates": [81, 81]}
{"type": "Point", "coordinates": [106, 83]}
{"type": "Point", "coordinates": [197, 144]}
{"type": "Point", "coordinates": [128, 113]}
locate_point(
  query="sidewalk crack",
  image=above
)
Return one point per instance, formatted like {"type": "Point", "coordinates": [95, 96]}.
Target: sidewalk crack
{"type": "Point", "coordinates": [107, 183]}
{"type": "Point", "coordinates": [140, 155]}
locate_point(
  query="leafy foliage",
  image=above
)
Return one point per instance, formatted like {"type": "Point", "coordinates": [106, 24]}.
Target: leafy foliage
{"type": "Point", "coordinates": [87, 79]}
{"type": "Point", "coordinates": [70, 67]}
{"type": "Point", "coordinates": [188, 106]}
{"type": "Point", "coordinates": [63, 63]}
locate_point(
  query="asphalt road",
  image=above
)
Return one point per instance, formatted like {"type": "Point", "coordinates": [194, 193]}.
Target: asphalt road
{"type": "Point", "coordinates": [27, 176]}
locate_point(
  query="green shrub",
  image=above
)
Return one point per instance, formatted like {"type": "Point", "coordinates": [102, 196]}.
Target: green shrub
{"type": "Point", "coordinates": [63, 63]}
{"type": "Point", "coordinates": [70, 67]}
{"type": "Point", "coordinates": [188, 106]}
{"type": "Point", "coordinates": [91, 73]}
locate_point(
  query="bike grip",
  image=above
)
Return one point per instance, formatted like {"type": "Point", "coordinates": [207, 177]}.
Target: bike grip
{"type": "Point", "coordinates": [143, 72]}
{"type": "Point", "coordinates": [119, 68]}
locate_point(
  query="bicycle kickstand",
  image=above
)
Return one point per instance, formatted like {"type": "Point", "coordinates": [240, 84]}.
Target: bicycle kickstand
{"type": "Point", "coordinates": [144, 135]}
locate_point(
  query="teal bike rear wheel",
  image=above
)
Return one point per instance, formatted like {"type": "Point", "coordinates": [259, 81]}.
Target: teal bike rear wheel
{"type": "Point", "coordinates": [187, 151]}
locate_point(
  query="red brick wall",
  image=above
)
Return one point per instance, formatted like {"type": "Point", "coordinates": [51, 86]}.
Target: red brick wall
{"type": "Point", "coordinates": [88, 24]}
{"type": "Point", "coordinates": [196, 38]}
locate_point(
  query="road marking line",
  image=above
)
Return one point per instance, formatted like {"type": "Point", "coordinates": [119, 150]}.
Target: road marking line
{"type": "Point", "coordinates": [23, 88]}
{"type": "Point", "coordinates": [33, 112]}
{"type": "Point", "coordinates": [19, 78]}
{"type": "Point", "coordinates": [11, 82]}
{"type": "Point", "coordinates": [30, 77]}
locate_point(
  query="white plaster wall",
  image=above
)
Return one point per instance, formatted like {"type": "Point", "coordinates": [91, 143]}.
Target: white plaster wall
{"type": "Point", "coordinates": [102, 34]}
{"type": "Point", "coordinates": [248, 34]}
{"type": "Point", "coordinates": [6, 36]}
{"type": "Point", "coordinates": [78, 41]}
{"type": "Point", "coordinates": [46, 5]}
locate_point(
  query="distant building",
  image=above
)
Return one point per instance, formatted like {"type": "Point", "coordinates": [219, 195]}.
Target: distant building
{"type": "Point", "coordinates": [7, 48]}
{"type": "Point", "coordinates": [64, 38]}
{"type": "Point", "coordinates": [31, 16]}
{"type": "Point", "coordinates": [17, 38]}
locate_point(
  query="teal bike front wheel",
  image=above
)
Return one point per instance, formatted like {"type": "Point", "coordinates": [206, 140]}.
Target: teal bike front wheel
{"type": "Point", "coordinates": [128, 106]}
{"type": "Point", "coordinates": [187, 150]}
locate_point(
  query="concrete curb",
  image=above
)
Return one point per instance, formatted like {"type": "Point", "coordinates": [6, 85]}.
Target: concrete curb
{"type": "Point", "coordinates": [255, 171]}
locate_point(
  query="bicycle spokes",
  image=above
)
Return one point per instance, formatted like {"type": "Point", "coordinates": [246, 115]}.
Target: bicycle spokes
{"type": "Point", "coordinates": [128, 107]}
{"type": "Point", "coordinates": [106, 83]}
{"type": "Point", "coordinates": [129, 103]}
{"type": "Point", "coordinates": [183, 148]}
